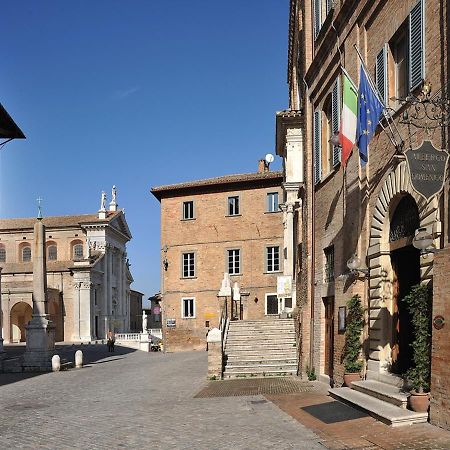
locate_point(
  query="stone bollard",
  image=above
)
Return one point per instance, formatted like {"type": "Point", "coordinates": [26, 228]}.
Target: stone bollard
{"type": "Point", "coordinates": [78, 359]}
{"type": "Point", "coordinates": [214, 340]}
{"type": "Point", "coordinates": [56, 363]}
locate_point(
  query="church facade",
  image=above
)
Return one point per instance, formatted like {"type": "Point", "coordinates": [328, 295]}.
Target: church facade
{"type": "Point", "coordinates": [88, 274]}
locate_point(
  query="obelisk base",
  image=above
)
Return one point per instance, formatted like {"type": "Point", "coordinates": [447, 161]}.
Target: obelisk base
{"type": "Point", "coordinates": [40, 345]}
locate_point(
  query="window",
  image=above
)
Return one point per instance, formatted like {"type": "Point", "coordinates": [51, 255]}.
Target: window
{"type": "Point", "coordinates": [233, 206]}
{"type": "Point", "coordinates": [317, 145]}
{"type": "Point", "coordinates": [52, 252]}
{"type": "Point", "coordinates": [321, 9]}
{"type": "Point", "coordinates": [329, 264]}
{"type": "Point", "coordinates": [272, 202]}
{"type": "Point", "coordinates": [188, 265]}
{"type": "Point", "coordinates": [273, 259]}
{"type": "Point", "coordinates": [78, 251]}
{"type": "Point", "coordinates": [400, 65]}
{"type": "Point", "coordinates": [2, 254]}
{"type": "Point", "coordinates": [234, 261]}
{"type": "Point", "coordinates": [188, 210]}
{"type": "Point", "coordinates": [188, 308]}
{"type": "Point", "coordinates": [26, 254]}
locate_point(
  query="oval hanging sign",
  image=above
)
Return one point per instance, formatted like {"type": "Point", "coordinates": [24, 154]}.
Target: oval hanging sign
{"type": "Point", "coordinates": [427, 166]}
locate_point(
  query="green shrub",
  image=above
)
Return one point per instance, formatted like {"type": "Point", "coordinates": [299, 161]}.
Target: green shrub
{"type": "Point", "coordinates": [418, 304]}
{"type": "Point", "coordinates": [311, 373]}
{"type": "Point", "coordinates": [352, 346]}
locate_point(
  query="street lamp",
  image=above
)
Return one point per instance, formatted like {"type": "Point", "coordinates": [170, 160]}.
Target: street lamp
{"type": "Point", "coordinates": [354, 264]}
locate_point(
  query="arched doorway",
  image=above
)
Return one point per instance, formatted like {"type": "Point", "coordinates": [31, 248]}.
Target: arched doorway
{"type": "Point", "coordinates": [394, 266]}
{"type": "Point", "coordinates": [20, 316]}
{"type": "Point", "coordinates": [405, 261]}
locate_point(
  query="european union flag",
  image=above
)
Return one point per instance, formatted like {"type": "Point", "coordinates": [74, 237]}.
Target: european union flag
{"type": "Point", "coordinates": [369, 111]}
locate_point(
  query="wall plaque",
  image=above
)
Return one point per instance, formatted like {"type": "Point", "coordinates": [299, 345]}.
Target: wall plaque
{"type": "Point", "coordinates": [427, 166]}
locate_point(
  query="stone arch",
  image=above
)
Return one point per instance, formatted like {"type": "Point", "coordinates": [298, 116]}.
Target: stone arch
{"type": "Point", "coordinates": [396, 186]}
{"type": "Point", "coordinates": [20, 315]}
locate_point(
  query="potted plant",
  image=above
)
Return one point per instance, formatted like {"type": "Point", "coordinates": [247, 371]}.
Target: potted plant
{"type": "Point", "coordinates": [418, 376]}
{"type": "Point", "coordinates": [352, 348]}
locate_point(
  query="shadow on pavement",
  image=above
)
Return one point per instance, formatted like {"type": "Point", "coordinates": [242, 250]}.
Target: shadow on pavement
{"type": "Point", "coordinates": [92, 354]}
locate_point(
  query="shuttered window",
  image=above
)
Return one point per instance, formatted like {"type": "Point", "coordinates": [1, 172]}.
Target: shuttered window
{"type": "Point", "coordinates": [317, 17]}
{"type": "Point", "coordinates": [335, 120]}
{"type": "Point", "coordinates": [381, 74]}
{"type": "Point", "coordinates": [329, 5]}
{"type": "Point", "coordinates": [416, 45]}
{"type": "Point", "coordinates": [317, 136]}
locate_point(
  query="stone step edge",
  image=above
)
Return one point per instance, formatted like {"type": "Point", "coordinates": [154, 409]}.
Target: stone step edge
{"type": "Point", "coordinates": [383, 411]}
{"type": "Point", "coordinates": [380, 391]}
{"type": "Point", "coordinates": [259, 375]}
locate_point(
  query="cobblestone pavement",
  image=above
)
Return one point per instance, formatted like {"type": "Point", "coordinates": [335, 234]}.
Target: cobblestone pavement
{"type": "Point", "coordinates": [133, 399]}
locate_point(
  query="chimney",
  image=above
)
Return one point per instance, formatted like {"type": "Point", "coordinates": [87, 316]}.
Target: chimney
{"type": "Point", "coordinates": [263, 166]}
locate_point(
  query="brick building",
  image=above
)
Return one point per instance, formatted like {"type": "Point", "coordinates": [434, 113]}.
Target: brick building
{"type": "Point", "coordinates": [370, 211]}
{"type": "Point", "coordinates": [230, 224]}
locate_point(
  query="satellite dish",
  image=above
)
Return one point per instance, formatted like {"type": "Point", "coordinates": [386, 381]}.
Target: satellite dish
{"type": "Point", "coordinates": [269, 158]}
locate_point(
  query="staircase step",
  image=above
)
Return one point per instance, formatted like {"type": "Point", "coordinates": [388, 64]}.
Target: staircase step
{"type": "Point", "coordinates": [247, 361]}
{"type": "Point", "coordinates": [285, 367]}
{"type": "Point", "coordinates": [383, 411]}
{"type": "Point", "coordinates": [256, 374]}
{"type": "Point", "coordinates": [382, 391]}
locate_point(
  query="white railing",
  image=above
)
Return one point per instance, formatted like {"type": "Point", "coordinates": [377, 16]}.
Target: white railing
{"type": "Point", "coordinates": [157, 332]}
{"type": "Point", "coordinates": [127, 337]}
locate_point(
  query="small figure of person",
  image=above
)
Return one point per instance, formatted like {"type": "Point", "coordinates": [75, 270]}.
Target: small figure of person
{"type": "Point", "coordinates": [111, 341]}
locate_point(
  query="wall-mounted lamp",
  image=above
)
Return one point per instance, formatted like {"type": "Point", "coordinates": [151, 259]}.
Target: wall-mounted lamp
{"type": "Point", "coordinates": [423, 241]}
{"type": "Point", "coordinates": [354, 264]}
{"type": "Point", "coordinates": [165, 261]}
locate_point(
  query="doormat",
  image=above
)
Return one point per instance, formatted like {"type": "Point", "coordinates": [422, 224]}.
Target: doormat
{"type": "Point", "coordinates": [333, 412]}
{"type": "Point", "coordinates": [256, 386]}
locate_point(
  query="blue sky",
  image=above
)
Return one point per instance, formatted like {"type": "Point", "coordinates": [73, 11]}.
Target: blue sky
{"type": "Point", "coordinates": [138, 94]}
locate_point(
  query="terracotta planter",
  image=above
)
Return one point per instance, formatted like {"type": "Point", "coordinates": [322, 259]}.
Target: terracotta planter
{"type": "Point", "coordinates": [419, 402]}
{"type": "Point", "coordinates": [350, 377]}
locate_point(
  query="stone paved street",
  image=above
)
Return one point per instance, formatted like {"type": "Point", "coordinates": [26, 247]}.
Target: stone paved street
{"type": "Point", "coordinates": [139, 400]}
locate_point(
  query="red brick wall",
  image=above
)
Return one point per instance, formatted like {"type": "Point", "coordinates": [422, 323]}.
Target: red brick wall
{"type": "Point", "coordinates": [440, 364]}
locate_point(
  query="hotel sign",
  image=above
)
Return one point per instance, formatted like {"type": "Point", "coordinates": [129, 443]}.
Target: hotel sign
{"type": "Point", "coordinates": [427, 167]}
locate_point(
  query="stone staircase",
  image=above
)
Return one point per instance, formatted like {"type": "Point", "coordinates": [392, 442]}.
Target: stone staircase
{"type": "Point", "coordinates": [260, 348]}
{"type": "Point", "coordinates": [386, 402]}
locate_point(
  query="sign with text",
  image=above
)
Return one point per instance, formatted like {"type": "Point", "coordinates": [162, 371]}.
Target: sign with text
{"type": "Point", "coordinates": [427, 166]}
{"type": "Point", "coordinates": [171, 323]}
{"type": "Point", "coordinates": [284, 286]}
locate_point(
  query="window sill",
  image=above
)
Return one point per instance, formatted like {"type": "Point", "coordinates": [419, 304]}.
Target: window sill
{"type": "Point", "coordinates": [190, 317]}
{"type": "Point", "coordinates": [272, 212]}
{"type": "Point", "coordinates": [233, 215]}
{"type": "Point", "coordinates": [274, 272]}
{"type": "Point", "coordinates": [187, 220]}
{"type": "Point", "coordinates": [235, 274]}
{"type": "Point", "coordinates": [188, 278]}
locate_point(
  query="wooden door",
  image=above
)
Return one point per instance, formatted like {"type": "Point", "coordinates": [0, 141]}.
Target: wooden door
{"type": "Point", "coordinates": [329, 335]}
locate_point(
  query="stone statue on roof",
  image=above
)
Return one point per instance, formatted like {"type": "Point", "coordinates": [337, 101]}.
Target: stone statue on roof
{"type": "Point", "coordinates": [113, 194]}
{"type": "Point", "coordinates": [103, 202]}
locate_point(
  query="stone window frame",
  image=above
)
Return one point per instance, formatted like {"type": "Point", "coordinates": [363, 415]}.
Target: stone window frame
{"type": "Point", "coordinates": [329, 264]}
{"type": "Point", "coordinates": [184, 216]}
{"type": "Point", "coordinates": [233, 208]}
{"type": "Point", "coordinates": [268, 257]}
{"type": "Point", "coordinates": [52, 255]}
{"type": "Point", "coordinates": [271, 205]}
{"type": "Point", "coordinates": [234, 249]}
{"type": "Point", "coordinates": [183, 301]}
{"type": "Point", "coordinates": [76, 254]}
{"type": "Point", "coordinates": [194, 274]}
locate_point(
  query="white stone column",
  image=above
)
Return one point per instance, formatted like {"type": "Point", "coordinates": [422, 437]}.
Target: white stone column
{"type": "Point", "coordinates": [104, 307]}
{"type": "Point", "coordinates": [84, 327]}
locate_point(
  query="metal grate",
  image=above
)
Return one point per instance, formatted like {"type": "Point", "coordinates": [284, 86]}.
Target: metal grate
{"type": "Point", "coordinates": [257, 386]}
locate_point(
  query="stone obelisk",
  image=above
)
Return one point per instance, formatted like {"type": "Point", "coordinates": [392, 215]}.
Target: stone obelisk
{"type": "Point", "coordinates": [40, 330]}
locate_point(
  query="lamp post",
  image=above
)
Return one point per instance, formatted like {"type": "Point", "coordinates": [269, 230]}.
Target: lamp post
{"type": "Point", "coordinates": [354, 264]}
{"type": "Point", "coordinates": [423, 241]}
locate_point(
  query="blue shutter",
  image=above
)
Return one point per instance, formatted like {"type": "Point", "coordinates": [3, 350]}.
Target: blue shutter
{"type": "Point", "coordinates": [317, 143]}
{"type": "Point", "coordinates": [329, 5]}
{"type": "Point", "coordinates": [336, 119]}
{"type": "Point", "coordinates": [416, 45]}
{"type": "Point", "coordinates": [317, 17]}
{"type": "Point", "coordinates": [381, 74]}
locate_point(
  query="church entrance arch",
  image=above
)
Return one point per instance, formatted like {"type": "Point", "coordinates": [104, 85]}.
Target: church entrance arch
{"type": "Point", "coordinates": [394, 267]}
{"type": "Point", "coordinates": [19, 317]}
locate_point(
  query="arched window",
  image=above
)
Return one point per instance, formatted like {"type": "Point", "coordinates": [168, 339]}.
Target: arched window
{"type": "Point", "coordinates": [2, 254]}
{"type": "Point", "coordinates": [26, 254]}
{"type": "Point", "coordinates": [78, 251]}
{"type": "Point", "coordinates": [405, 219]}
{"type": "Point", "coordinates": [52, 252]}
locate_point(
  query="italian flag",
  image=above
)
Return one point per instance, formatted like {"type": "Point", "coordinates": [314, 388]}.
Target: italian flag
{"type": "Point", "coordinates": [347, 132]}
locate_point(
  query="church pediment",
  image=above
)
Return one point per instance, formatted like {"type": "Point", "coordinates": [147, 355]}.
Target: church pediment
{"type": "Point", "coordinates": [120, 224]}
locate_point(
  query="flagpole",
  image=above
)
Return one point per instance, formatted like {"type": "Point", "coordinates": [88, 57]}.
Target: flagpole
{"type": "Point", "coordinates": [386, 115]}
